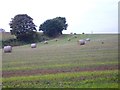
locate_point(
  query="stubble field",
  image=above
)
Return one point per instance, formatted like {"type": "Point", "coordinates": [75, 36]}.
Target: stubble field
{"type": "Point", "coordinates": [63, 63]}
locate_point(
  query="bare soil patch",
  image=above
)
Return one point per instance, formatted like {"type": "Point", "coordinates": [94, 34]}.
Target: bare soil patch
{"type": "Point", "coordinates": [54, 71]}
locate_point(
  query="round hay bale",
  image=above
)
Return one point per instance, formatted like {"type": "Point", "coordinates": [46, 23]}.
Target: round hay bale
{"type": "Point", "coordinates": [69, 39]}
{"type": "Point", "coordinates": [33, 45]}
{"type": "Point", "coordinates": [45, 42]}
{"type": "Point", "coordinates": [88, 39]}
{"type": "Point", "coordinates": [102, 42]}
{"type": "Point", "coordinates": [7, 49]}
{"type": "Point", "coordinates": [82, 42]}
{"type": "Point", "coordinates": [75, 36]}
{"type": "Point", "coordinates": [56, 40]}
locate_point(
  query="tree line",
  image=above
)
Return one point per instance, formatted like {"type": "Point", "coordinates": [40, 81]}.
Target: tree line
{"type": "Point", "coordinates": [24, 29]}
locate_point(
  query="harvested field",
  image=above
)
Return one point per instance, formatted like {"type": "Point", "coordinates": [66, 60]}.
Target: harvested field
{"type": "Point", "coordinates": [63, 64]}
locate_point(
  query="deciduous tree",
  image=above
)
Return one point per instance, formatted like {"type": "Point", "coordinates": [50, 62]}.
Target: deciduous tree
{"type": "Point", "coordinates": [54, 27]}
{"type": "Point", "coordinates": [22, 27]}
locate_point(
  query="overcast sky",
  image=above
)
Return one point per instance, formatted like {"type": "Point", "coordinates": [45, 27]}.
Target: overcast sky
{"type": "Point", "coordinates": [99, 16]}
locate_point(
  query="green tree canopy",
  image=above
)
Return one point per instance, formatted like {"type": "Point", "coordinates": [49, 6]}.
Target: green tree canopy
{"type": "Point", "coordinates": [54, 27]}
{"type": "Point", "coordinates": [23, 27]}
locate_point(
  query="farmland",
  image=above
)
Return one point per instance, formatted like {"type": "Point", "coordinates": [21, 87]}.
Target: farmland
{"type": "Point", "coordinates": [63, 63]}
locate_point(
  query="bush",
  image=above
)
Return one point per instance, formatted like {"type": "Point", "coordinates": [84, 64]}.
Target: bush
{"type": "Point", "coordinates": [12, 42]}
{"type": "Point", "coordinates": [39, 37]}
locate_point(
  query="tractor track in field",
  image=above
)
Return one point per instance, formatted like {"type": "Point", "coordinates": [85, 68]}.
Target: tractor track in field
{"type": "Point", "coordinates": [6, 74]}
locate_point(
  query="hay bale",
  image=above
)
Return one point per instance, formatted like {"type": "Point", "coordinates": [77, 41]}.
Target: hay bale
{"type": "Point", "coordinates": [56, 40]}
{"type": "Point", "coordinates": [33, 45]}
{"type": "Point", "coordinates": [88, 39]}
{"type": "Point", "coordinates": [69, 39]}
{"type": "Point", "coordinates": [75, 36]}
{"type": "Point", "coordinates": [7, 49]}
{"type": "Point", "coordinates": [45, 42]}
{"type": "Point", "coordinates": [82, 42]}
{"type": "Point", "coordinates": [102, 42]}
